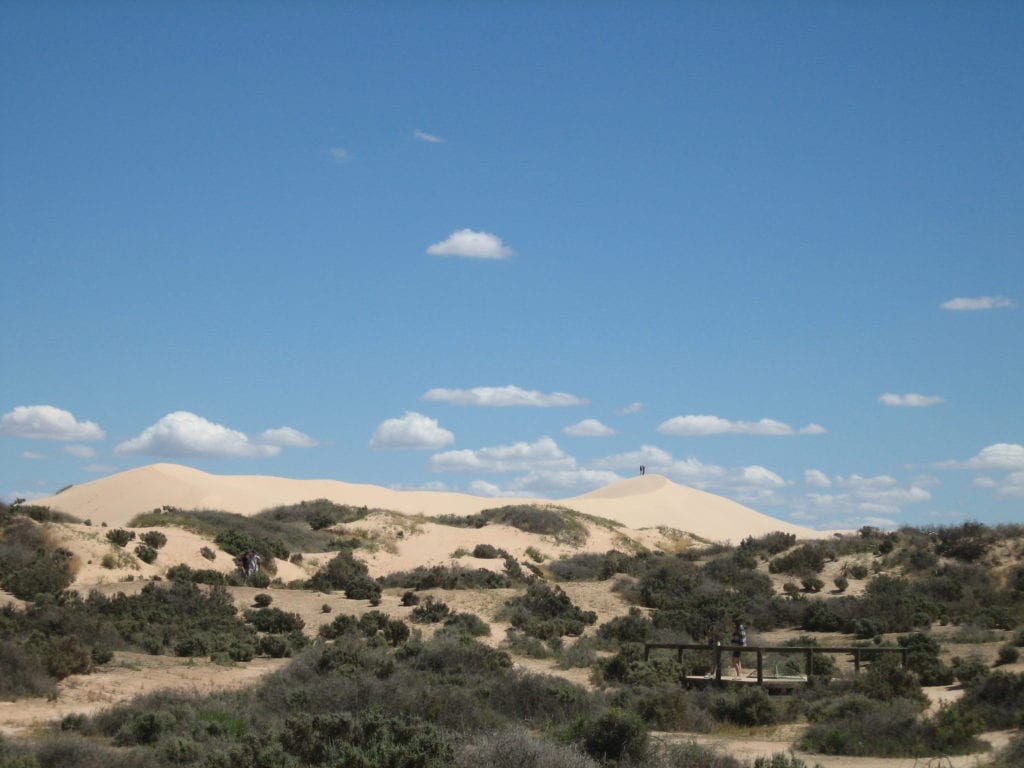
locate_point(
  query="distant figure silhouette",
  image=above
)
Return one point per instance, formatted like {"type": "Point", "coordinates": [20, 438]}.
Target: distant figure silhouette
{"type": "Point", "coordinates": [643, 469]}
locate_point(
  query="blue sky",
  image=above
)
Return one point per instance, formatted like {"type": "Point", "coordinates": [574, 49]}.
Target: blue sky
{"type": "Point", "coordinates": [770, 250]}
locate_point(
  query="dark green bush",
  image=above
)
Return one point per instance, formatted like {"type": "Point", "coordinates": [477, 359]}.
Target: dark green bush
{"type": "Point", "coordinates": [274, 620]}
{"type": "Point", "coordinates": [120, 537]}
{"type": "Point", "coordinates": [467, 624]}
{"type": "Point", "coordinates": [447, 577]}
{"type": "Point", "coordinates": [997, 698]}
{"type": "Point", "coordinates": [1008, 654]}
{"type": "Point", "coordinates": [30, 564]}
{"type": "Point", "coordinates": [262, 600]}
{"type": "Point", "coordinates": [545, 611]}
{"type": "Point", "coordinates": [145, 553]}
{"type": "Point", "coordinates": [805, 560]}
{"type": "Point", "coordinates": [616, 734]}
{"type": "Point", "coordinates": [154, 539]}
{"type": "Point", "coordinates": [486, 551]}
{"type": "Point", "coordinates": [430, 611]}
{"type": "Point", "coordinates": [632, 628]}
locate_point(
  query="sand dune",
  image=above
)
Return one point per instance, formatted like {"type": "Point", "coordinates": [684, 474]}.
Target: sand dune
{"type": "Point", "coordinates": [641, 502]}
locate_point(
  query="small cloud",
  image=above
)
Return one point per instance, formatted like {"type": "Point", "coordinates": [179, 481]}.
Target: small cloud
{"type": "Point", "coordinates": [45, 422]}
{"type": "Point", "coordinates": [503, 397]}
{"type": "Point", "coordinates": [543, 453]}
{"type": "Point", "coordinates": [998, 456]}
{"type": "Point", "coordinates": [910, 400]}
{"type": "Point", "coordinates": [471, 245]}
{"type": "Point", "coordinates": [286, 437]}
{"type": "Point", "coordinates": [80, 451]}
{"type": "Point", "coordinates": [589, 428]}
{"type": "Point", "coordinates": [816, 478]}
{"type": "Point", "coordinates": [977, 303]}
{"type": "Point", "coordinates": [632, 408]}
{"type": "Point", "coordinates": [340, 155]}
{"type": "Point", "coordinates": [714, 425]}
{"type": "Point", "coordinates": [413, 430]}
{"type": "Point", "coordinates": [32, 455]}
{"type": "Point", "coordinates": [427, 137]}
{"type": "Point", "coordinates": [185, 435]}
{"type": "Point", "coordinates": [649, 455]}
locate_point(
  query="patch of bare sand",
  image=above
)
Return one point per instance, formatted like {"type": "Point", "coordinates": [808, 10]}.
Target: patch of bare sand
{"type": "Point", "coordinates": [129, 675]}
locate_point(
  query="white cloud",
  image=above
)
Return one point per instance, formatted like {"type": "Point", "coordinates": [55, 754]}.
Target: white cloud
{"type": "Point", "coordinates": [32, 455]}
{"type": "Point", "coordinates": [816, 478]}
{"type": "Point", "coordinates": [484, 488]}
{"type": "Point", "coordinates": [559, 482]}
{"type": "Point", "coordinates": [286, 437]}
{"type": "Point", "coordinates": [471, 245]}
{"type": "Point", "coordinates": [413, 430]}
{"type": "Point", "coordinates": [859, 496]}
{"type": "Point", "coordinates": [543, 453]}
{"type": "Point", "coordinates": [1012, 485]}
{"type": "Point", "coordinates": [427, 137]}
{"type": "Point", "coordinates": [715, 425]}
{"type": "Point", "coordinates": [501, 397]}
{"type": "Point", "coordinates": [977, 303]}
{"type": "Point", "coordinates": [183, 434]}
{"type": "Point", "coordinates": [589, 428]}
{"type": "Point", "coordinates": [760, 477]}
{"type": "Point", "coordinates": [340, 155]}
{"type": "Point", "coordinates": [648, 455]}
{"type": "Point", "coordinates": [632, 408]}
{"type": "Point", "coordinates": [80, 451]}
{"type": "Point", "coordinates": [992, 457]}
{"type": "Point", "coordinates": [45, 422]}
{"type": "Point", "coordinates": [910, 400]}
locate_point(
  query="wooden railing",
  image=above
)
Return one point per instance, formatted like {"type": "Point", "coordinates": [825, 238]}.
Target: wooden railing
{"type": "Point", "coordinates": [715, 649]}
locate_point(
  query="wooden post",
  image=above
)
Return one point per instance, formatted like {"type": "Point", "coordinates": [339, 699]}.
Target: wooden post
{"type": "Point", "coordinates": [718, 663]}
{"type": "Point", "coordinates": [809, 653]}
{"type": "Point", "coordinates": [903, 657]}
{"type": "Point", "coordinates": [760, 666]}
{"type": "Point", "coordinates": [856, 661]}
{"type": "Point", "coordinates": [647, 652]}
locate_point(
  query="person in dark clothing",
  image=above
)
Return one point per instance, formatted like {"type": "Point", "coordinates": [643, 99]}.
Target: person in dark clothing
{"type": "Point", "coordinates": [739, 637]}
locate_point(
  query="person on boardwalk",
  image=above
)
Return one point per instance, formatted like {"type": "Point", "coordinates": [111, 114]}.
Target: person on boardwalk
{"type": "Point", "coordinates": [739, 637]}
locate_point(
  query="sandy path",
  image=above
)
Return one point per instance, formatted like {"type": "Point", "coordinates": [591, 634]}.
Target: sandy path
{"type": "Point", "coordinates": [129, 675]}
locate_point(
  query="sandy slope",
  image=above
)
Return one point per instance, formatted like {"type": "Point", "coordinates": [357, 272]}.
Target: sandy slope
{"type": "Point", "coordinates": [641, 502]}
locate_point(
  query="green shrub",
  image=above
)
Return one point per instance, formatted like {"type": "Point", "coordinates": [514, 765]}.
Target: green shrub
{"type": "Point", "coordinates": [447, 577]}
{"type": "Point", "coordinates": [616, 734]}
{"type": "Point", "coordinates": [486, 551]}
{"type": "Point", "coordinates": [410, 598]}
{"type": "Point", "coordinates": [969, 670]}
{"type": "Point", "coordinates": [1008, 654]}
{"type": "Point", "coordinates": [274, 620]}
{"type": "Point", "coordinates": [120, 537]}
{"type": "Point", "coordinates": [812, 584]}
{"type": "Point", "coordinates": [535, 554]}
{"type": "Point", "coordinates": [858, 571]}
{"type": "Point", "coordinates": [997, 698]}
{"type": "Point", "coordinates": [154, 539]}
{"type": "Point", "coordinates": [546, 611]}
{"type": "Point", "coordinates": [145, 553]}
{"type": "Point", "coordinates": [841, 582]}
{"type": "Point", "coordinates": [208, 553]}
{"type": "Point", "coordinates": [805, 560]}
{"type": "Point", "coordinates": [635, 627]}
{"type": "Point", "coordinates": [430, 611]}
{"type": "Point", "coordinates": [262, 600]}
{"type": "Point", "coordinates": [467, 624]}
{"type": "Point", "coordinates": [30, 563]}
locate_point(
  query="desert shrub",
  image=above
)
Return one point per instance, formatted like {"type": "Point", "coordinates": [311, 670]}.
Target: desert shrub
{"type": "Point", "coordinates": [522, 644]}
{"type": "Point", "coordinates": [805, 560]}
{"type": "Point", "coordinates": [343, 624]}
{"type": "Point", "coordinates": [237, 542]}
{"type": "Point", "coordinates": [535, 554]}
{"type": "Point", "coordinates": [517, 748]}
{"type": "Point", "coordinates": [274, 646]}
{"type": "Point", "coordinates": [969, 670]}
{"type": "Point", "coordinates": [967, 542]}
{"type": "Point", "coordinates": [812, 584]}
{"type": "Point", "coordinates": [344, 572]}
{"type": "Point", "coordinates": [881, 729]}
{"type": "Point", "coordinates": [615, 734]}
{"type": "Point", "coordinates": [635, 627]}
{"type": "Point", "coordinates": [447, 577]}
{"type": "Point", "coordinates": [154, 539]}
{"type": "Point", "coordinates": [430, 611]}
{"type": "Point", "coordinates": [560, 523]}
{"type": "Point", "coordinates": [22, 672]}
{"type": "Point", "coordinates": [743, 705]}
{"type": "Point", "coordinates": [262, 600]}
{"type": "Point", "coordinates": [819, 616]}
{"type": "Point", "coordinates": [923, 659]}
{"type": "Point", "coordinates": [1008, 654]}
{"type": "Point", "coordinates": [410, 598]}
{"type": "Point", "coordinates": [145, 553]}
{"type": "Point", "coordinates": [208, 553]}
{"type": "Point", "coordinates": [274, 620]}
{"type": "Point", "coordinates": [997, 698]}
{"type": "Point", "coordinates": [1012, 755]}
{"type": "Point", "coordinates": [886, 680]}
{"type": "Point", "coordinates": [546, 611]}
{"type": "Point", "coordinates": [841, 582]}
{"type": "Point", "coordinates": [30, 564]}
{"type": "Point", "coordinates": [769, 544]}
{"type": "Point", "coordinates": [467, 624]}
{"type": "Point", "coordinates": [591, 566]}
{"type": "Point", "coordinates": [486, 551]}
{"type": "Point", "coordinates": [317, 514]}
{"type": "Point", "coordinates": [858, 571]}
{"type": "Point", "coordinates": [120, 537]}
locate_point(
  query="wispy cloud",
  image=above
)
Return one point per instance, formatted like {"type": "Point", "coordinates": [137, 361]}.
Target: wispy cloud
{"type": "Point", "coordinates": [45, 422]}
{"type": "Point", "coordinates": [816, 479]}
{"type": "Point", "coordinates": [548, 483]}
{"type": "Point", "coordinates": [543, 453]}
{"type": "Point", "coordinates": [859, 500]}
{"type": "Point", "coordinates": [80, 451]}
{"type": "Point", "coordinates": [32, 455]}
{"type": "Point", "coordinates": [340, 154]}
{"type": "Point", "coordinates": [429, 138]}
{"type": "Point", "coordinates": [910, 400]}
{"type": "Point", "coordinates": [977, 303]}
{"type": "Point", "coordinates": [1008, 456]}
{"type": "Point", "coordinates": [714, 425]}
{"type": "Point", "coordinates": [411, 431]}
{"type": "Point", "coordinates": [503, 397]}
{"type": "Point", "coordinates": [469, 244]}
{"type": "Point", "coordinates": [286, 437]}
{"type": "Point", "coordinates": [182, 434]}
{"type": "Point", "coordinates": [632, 408]}
{"type": "Point", "coordinates": [589, 428]}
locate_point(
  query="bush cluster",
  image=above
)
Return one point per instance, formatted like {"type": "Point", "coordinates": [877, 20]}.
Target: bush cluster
{"type": "Point", "coordinates": [545, 611]}
{"type": "Point", "coordinates": [561, 523]}
{"type": "Point", "coordinates": [346, 573]}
